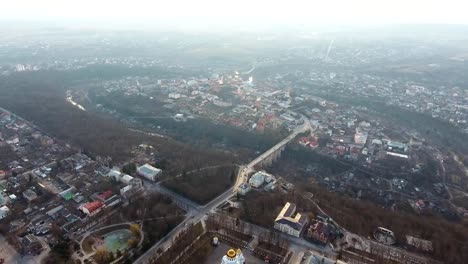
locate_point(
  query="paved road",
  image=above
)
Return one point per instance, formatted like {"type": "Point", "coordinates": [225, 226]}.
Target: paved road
{"type": "Point", "coordinates": [197, 212]}
{"type": "Point", "coordinates": [301, 129]}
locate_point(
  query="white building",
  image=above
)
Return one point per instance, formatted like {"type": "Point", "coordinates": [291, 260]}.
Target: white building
{"type": "Point", "coordinates": [233, 257]}
{"type": "Point", "coordinates": [192, 83]}
{"type": "Point", "coordinates": [221, 103]}
{"type": "Point", "coordinates": [394, 145]}
{"type": "Point", "coordinates": [174, 96]}
{"type": "Point", "coordinates": [290, 222]}
{"type": "Point", "coordinates": [124, 178]}
{"type": "Point", "coordinates": [126, 190]}
{"type": "Point", "coordinates": [256, 180]}
{"type": "Point", "coordinates": [360, 137]}
{"type": "Point", "coordinates": [4, 211]}
{"type": "Point", "coordinates": [259, 178]}
{"type": "Point", "coordinates": [244, 188]}
{"type": "Point", "coordinates": [115, 174]}
{"type": "Point", "coordinates": [30, 195]}
{"type": "Point", "coordinates": [149, 172]}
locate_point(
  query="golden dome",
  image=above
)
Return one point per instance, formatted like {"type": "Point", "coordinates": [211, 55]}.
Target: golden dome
{"type": "Point", "coordinates": [239, 251]}
{"type": "Point", "coordinates": [231, 253]}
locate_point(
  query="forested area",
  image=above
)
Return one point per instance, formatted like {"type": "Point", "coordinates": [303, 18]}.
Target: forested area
{"type": "Point", "coordinates": [205, 132]}
{"type": "Point", "coordinates": [43, 103]}
{"type": "Point", "coordinates": [181, 242]}
{"type": "Point", "coordinates": [101, 72]}
{"type": "Point", "coordinates": [299, 163]}
{"type": "Point", "coordinates": [161, 215]}
{"type": "Point", "coordinates": [204, 185]}
{"type": "Point", "coordinates": [62, 251]}
{"type": "Point", "coordinates": [450, 239]}
{"type": "Point", "coordinates": [201, 132]}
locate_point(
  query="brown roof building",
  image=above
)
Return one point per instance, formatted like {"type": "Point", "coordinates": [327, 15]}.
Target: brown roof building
{"type": "Point", "coordinates": [320, 232]}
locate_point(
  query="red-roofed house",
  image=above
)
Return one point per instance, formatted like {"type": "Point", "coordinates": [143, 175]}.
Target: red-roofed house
{"type": "Point", "coordinates": [313, 144]}
{"type": "Point", "coordinates": [20, 124]}
{"type": "Point", "coordinates": [260, 126]}
{"type": "Point", "coordinates": [320, 232]}
{"type": "Point", "coordinates": [105, 195]}
{"type": "Point", "coordinates": [304, 141]}
{"type": "Point", "coordinates": [236, 122]}
{"type": "Point", "coordinates": [91, 208]}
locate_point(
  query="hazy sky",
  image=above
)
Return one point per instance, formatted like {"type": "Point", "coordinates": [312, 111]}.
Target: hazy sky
{"type": "Point", "coordinates": [211, 12]}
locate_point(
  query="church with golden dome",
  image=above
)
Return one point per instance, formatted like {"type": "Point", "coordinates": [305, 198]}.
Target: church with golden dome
{"type": "Point", "coordinates": [233, 257]}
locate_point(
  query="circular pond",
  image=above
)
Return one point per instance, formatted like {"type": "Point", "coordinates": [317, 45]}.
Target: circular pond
{"type": "Point", "coordinates": [117, 240]}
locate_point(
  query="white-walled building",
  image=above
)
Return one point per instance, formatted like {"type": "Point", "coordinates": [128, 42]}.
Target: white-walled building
{"type": "Point", "coordinates": [4, 211]}
{"type": "Point", "coordinates": [290, 222]}
{"type": "Point", "coordinates": [244, 188]}
{"type": "Point", "coordinates": [115, 174]}
{"type": "Point", "coordinates": [360, 137]}
{"type": "Point", "coordinates": [126, 191]}
{"type": "Point", "coordinates": [259, 178]}
{"type": "Point", "coordinates": [149, 172]}
{"type": "Point", "coordinates": [124, 178]}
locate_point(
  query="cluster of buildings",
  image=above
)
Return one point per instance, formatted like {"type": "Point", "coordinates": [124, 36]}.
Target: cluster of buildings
{"type": "Point", "coordinates": [54, 54]}
{"type": "Point", "coordinates": [318, 230]}
{"type": "Point", "coordinates": [77, 64]}
{"type": "Point", "coordinates": [348, 133]}
{"type": "Point", "coordinates": [24, 150]}
{"type": "Point", "coordinates": [260, 180]}
{"type": "Point", "coordinates": [72, 198]}
{"type": "Point", "coordinates": [25, 146]}
{"type": "Point", "coordinates": [239, 100]}
{"type": "Point", "coordinates": [232, 99]}
{"type": "Point", "coordinates": [445, 102]}
{"type": "Point", "coordinates": [68, 192]}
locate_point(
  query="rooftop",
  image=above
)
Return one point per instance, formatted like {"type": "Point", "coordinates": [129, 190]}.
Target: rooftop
{"type": "Point", "coordinates": [149, 170]}
{"type": "Point", "coordinates": [93, 206]}
{"type": "Point", "coordinates": [287, 217]}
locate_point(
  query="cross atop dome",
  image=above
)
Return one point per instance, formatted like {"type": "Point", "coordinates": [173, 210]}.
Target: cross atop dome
{"type": "Point", "coordinates": [233, 257]}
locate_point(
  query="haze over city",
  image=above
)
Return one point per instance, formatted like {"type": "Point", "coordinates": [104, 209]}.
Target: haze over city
{"type": "Point", "coordinates": [233, 132]}
{"type": "Point", "coordinates": [205, 13]}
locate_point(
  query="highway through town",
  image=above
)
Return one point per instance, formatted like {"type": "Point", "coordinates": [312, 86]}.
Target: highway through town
{"type": "Point", "coordinates": [196, 212]}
